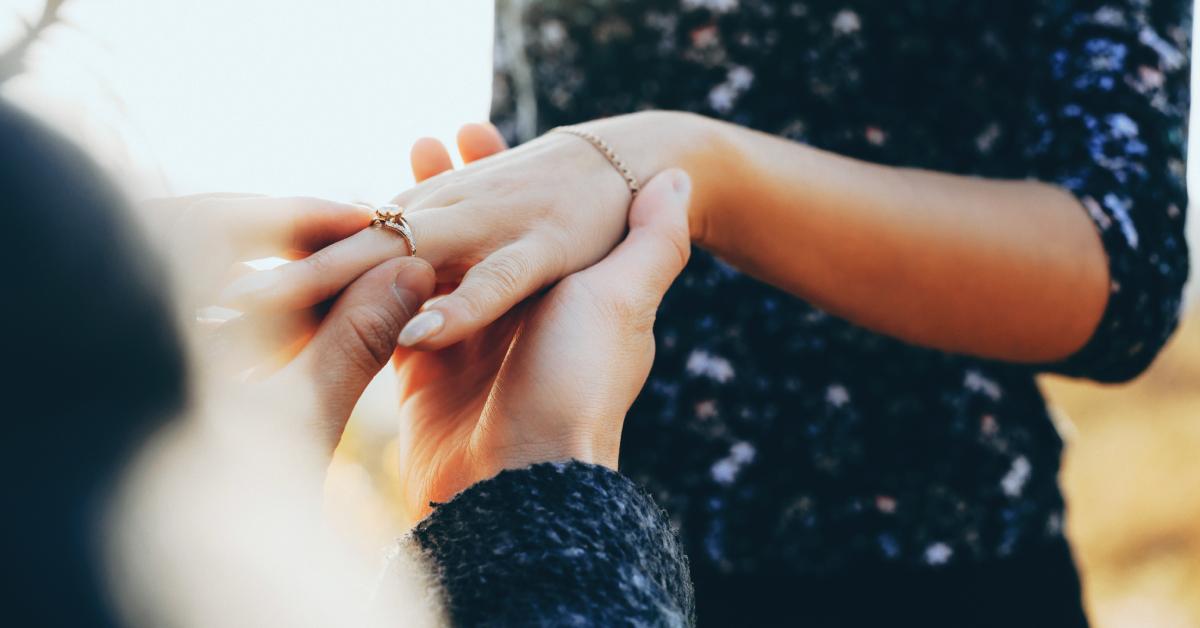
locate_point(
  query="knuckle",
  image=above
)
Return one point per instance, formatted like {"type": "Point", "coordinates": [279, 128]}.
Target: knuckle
{"type": "Point", "coordinates": [445, 196]}
{"type": "Point", "coordinates": [495, 279]}
{"type": "Point", "coordinates": [672, 246]}
{"type": "Point", "coordinates": [635, 310]}
{"type": "Point", "coordinates": [320, 263]}
{"type": "Point", "coordinates": [630, 308]}
{"type": "Point", "coordinates": [681, 242]}
{"type": "Point", "coordinates": [573, 288]}
{"type": "Point", "coordinates": [419, 193]}
{"type": "Point", "coordinates": [554, 247]}
{"type": "Point", "coordinates": [373, 331]}
{"type": "Point", "coordinates": [546, 209]}
{"type": "Point", "coordinates": [502, 186]}
{"type": "Point", "coordinates": [292, 228]}
{"type": "Point", "coordinates": [644, 324]}
{"type": "Point", "coordinates": [309, 277]}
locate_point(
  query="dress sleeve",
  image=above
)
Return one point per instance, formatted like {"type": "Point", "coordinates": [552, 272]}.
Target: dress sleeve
{"type": "Point", "coordinates": [557, 544]}
{"type": "Point", "coordinates": [1109, 112]}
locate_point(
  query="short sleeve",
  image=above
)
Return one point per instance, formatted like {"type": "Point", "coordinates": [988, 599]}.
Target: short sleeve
{"type": "Point", "coordinates": [1109, 110]}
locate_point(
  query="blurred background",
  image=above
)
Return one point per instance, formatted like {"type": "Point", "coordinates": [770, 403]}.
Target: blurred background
{"type": "Point", "coordinates": [256, 96]}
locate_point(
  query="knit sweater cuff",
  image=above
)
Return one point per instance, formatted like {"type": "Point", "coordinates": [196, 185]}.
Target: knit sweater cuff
{"type": "Point", "coordinates": [557, 544]}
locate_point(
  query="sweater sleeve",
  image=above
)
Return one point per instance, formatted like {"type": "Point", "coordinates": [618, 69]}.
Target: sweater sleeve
{"type": "Point", "coordinates": [557, 544]}
{"type": "Point", "coordinates": [1109, 115]}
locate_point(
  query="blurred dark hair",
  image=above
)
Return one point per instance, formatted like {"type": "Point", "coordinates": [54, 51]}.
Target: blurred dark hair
{"type": "Point", "coordinates": [92, 365]}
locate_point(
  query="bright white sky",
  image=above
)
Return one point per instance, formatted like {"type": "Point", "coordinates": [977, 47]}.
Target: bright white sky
{"type": "Point", "coordinates": [270, 96]}
{"type": "Point", "coordinates": [315, 97]}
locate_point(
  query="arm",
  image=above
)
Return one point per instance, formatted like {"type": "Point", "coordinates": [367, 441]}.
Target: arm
{"type": "Point", "coordinates": [1007, 270]}
{"type": "Point", "coordinates": [1010, 270]}
{"type": "Point", "coordinates": [1003, 269]}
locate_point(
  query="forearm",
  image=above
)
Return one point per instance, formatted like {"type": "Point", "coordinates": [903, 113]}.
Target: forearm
{"type": "Point", "coordinates": [1008, 270]}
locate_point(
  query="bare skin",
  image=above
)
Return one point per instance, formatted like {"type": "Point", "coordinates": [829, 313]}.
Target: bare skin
{"type": "Point", "coordinates": [553, 378]}
{"type": "Point", "coordinates": [1007, 270]}
{"type": "Point", "coordinates": [1010, 270]}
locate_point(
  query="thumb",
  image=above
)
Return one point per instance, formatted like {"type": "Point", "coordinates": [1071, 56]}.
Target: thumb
{"type": "Point", "coordinates": [357, 337]}
{"type": "Point", "coordinates": [658, 245]}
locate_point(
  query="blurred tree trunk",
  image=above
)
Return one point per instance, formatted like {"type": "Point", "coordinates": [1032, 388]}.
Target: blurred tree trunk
{"type": "Point", "coordinates": [12, 60]}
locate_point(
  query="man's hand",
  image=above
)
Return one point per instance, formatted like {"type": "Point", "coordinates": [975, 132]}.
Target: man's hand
{"type": "Point", "coordinates": [308, 367]}
{"type": "Point", "coordinates": [585, 349]}
{"type": "Point", "coordinates": [553, 378]}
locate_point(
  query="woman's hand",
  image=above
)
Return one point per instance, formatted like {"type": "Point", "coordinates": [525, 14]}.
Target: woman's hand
{"type": "Point", "coordinates": [551, 380]}
{"type": "Point", "coordinates": [506, 226]}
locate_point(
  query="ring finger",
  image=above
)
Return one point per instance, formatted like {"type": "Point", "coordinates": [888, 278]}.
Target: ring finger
{"type": "Point", "coordinates": [444, 240]}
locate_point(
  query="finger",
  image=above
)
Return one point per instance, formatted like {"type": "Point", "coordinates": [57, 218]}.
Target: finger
{"type": "Point", "coordinates": [265, 342]}
{"type": "Point", "coordinates": [356, 339]}
{"type": "Point", "coordinates": [262, 226]}
{"type": "Point", "coordinates": [429, 157]}
{"type": "Point", "coordinates": [442, 239]}
{"type": "Point", "coordinates": [479, 140]}
{"type": "Point", "coordinates": [484, 351]}
{"type": "Point", "coordinates": [488, 290]}
{"type": "Point", "coordinates": [179, 203]}
{"type": "Point", "coordinates": [475, 141]}
{"type": "Point", "coordinates": [658, 244]}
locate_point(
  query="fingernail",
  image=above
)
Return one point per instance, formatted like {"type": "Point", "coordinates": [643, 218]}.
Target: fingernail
{"type": "Point", "coordinates": [681, 183]}
{"type": "Point", "coordinates": [431, 301]}
{"type": "Point", "coordinates": [422, 326]}
{"type": "Point", "coordinates": [253, 285]}
{"type": "Point", "coordinates": [405, 289]}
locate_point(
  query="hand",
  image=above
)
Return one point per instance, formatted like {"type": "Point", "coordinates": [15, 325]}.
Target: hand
{"type": "Point", "coordinates": [514, 223]}
{"type": "Point", "coordinates": [205, 237]}
{"type": "Point", "coordinates": [585, 349]}
{"type": "Point", "coordinates": [307, 367]}
{"type": "Point", "coordinates": [559, 390]}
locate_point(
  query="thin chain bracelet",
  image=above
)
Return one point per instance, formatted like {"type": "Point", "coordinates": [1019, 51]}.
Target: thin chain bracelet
{"type": "Point", "coordinates": [607, 151]}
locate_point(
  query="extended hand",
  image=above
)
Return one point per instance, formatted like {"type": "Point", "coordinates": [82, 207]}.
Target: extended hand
{"type": "Point", "coordinates": [504, 227]}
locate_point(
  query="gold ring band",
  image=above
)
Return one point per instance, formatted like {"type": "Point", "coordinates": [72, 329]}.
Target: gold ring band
{"type": "Point", "coordinates": [392, 217]}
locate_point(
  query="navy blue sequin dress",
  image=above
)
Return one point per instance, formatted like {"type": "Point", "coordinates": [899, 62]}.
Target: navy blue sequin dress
{"type": "Point", "coordinates": [810, 463]}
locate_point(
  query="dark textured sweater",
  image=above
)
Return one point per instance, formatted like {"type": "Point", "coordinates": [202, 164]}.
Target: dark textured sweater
{"type": "Point", "coordinates": [557, 544]}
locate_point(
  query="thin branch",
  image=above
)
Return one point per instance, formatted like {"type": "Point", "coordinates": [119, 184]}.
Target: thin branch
{"type": "Point", "coordinates": [12, 61]}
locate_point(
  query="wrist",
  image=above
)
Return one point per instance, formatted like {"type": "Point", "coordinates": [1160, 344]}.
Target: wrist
{"type": "Point", "coordinates": [529, 450]}
{"type": "Point", "coordinates": [652, 141]}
